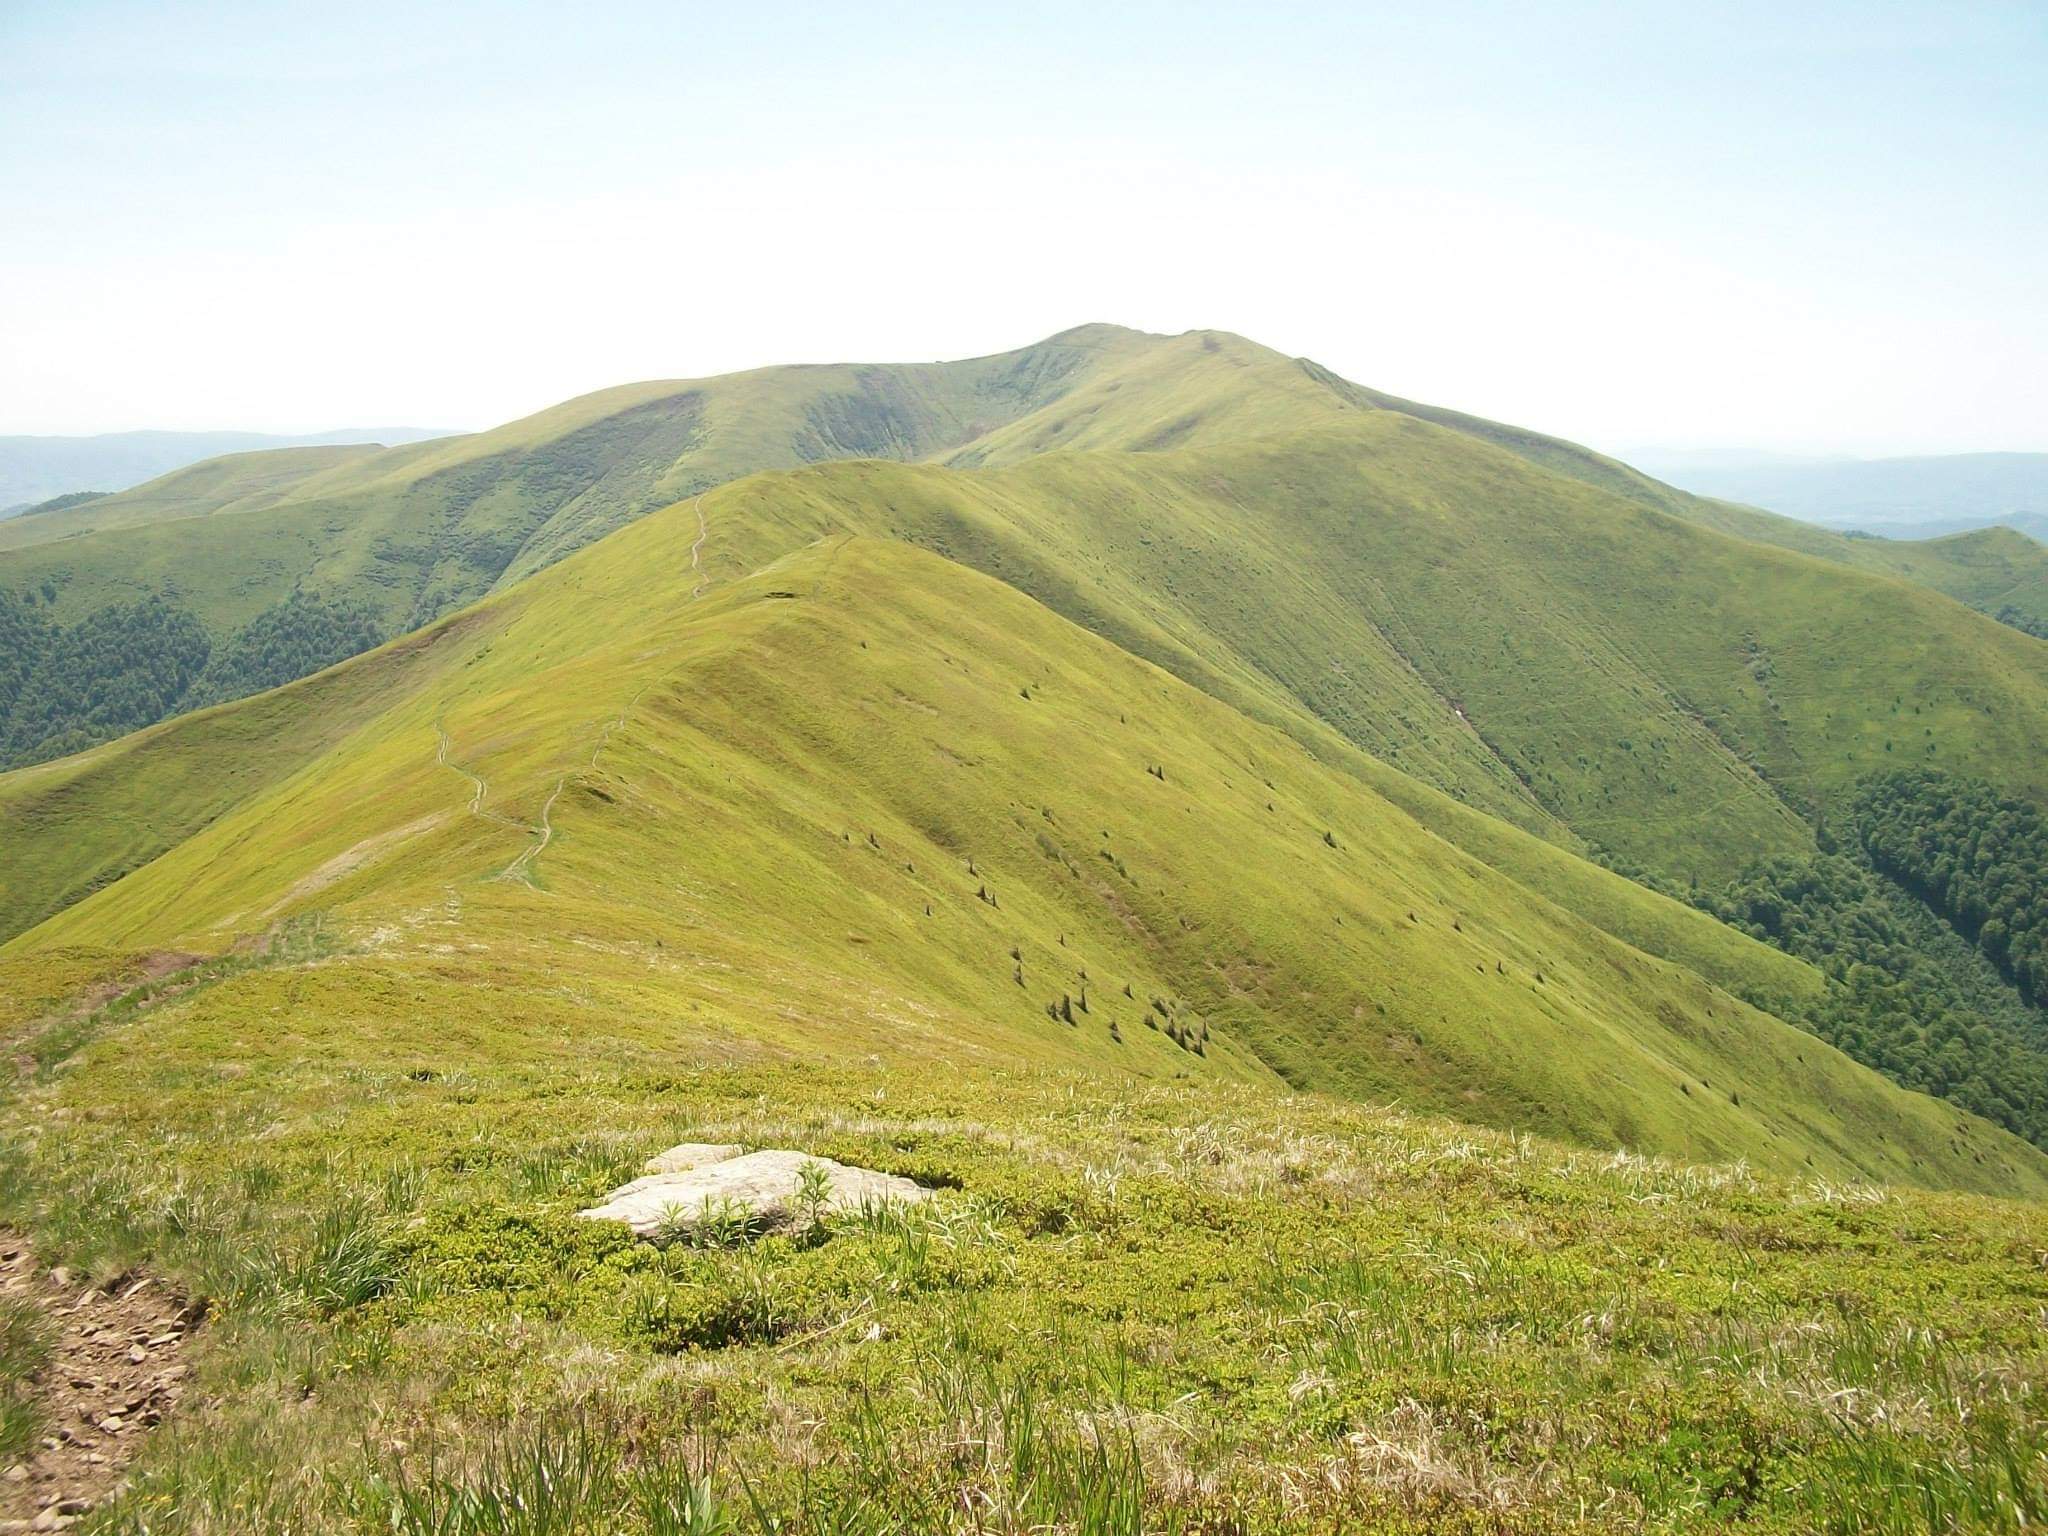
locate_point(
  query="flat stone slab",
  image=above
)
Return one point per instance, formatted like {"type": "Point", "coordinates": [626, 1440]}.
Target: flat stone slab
{"type": "Point", "coordinates": [684, 1156]}
{"type": "Point", "coordinates": [764, 1183]}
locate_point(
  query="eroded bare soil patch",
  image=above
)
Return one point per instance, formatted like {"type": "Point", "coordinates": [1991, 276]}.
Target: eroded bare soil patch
{"type": "Point", "coordinates": [115, 1370]}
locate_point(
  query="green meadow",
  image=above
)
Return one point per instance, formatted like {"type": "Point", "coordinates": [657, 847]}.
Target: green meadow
{"type": "Point", "coordinates": [1149, 1303]}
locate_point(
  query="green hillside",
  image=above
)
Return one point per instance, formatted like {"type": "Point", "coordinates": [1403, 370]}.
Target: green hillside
{"type": "Point", "coordinates": [1686, 705]}
{"type": "Point", "coordinates": [1133, 1305]}
{"type": "Point", "coordinates": [253, 569]}
{"type": "Point", "coordinates": [470, 510]}
{"type": "Point", "coordinates": [1994, 570]}
{"type": "Point", "coordinates": [1420, 601]}
{"type": "Point", "coordinates": [390, 971]}
{"type": "Point", "coordinates": [1625, 678]}
{"type": "Point", "coordinates": [1677, 701]}
{"type": "Point", "coordinates": [235, 482]}
{"type": "Point", "coordinates": [590, 463]}
{"type": "Point", "coordinates": [1161, 836]}
{"type": "Point", "coordinates": [232, 553]}
{"type": "Point", "coordinates": [792, 772]}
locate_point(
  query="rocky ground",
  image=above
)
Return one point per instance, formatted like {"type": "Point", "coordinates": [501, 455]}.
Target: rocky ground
{"type": "Point", "coordinates": [115, 1370]}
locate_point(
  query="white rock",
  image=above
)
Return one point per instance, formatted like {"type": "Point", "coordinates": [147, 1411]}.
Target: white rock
{"type": "Point", "coordinates": [684, 1156]}
{"type": "Point", "coordinates": [764, 1183]}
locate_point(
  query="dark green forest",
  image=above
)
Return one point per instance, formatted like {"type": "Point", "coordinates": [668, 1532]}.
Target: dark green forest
{"type": "Point", "coordinates": [1977, 857]}
{"type": "Point", "coordinates": [1928, 912]}
{"type": "Point", "coordinates": [299, 636]}
{"type": "Point", "coordinates": [67, 687]}
{"type": "Point", "coordinates": [113, 670]}
{"type": "Point", "coordinates": [2020, 619]}
{"type": "Point", "coordinates": [1909, 995]}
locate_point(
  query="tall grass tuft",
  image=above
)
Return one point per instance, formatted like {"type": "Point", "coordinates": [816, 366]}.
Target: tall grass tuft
{"type": "Point", "coordinates": [24, 1349]}
{"type": "Point", "coordinates": [558, 1478]}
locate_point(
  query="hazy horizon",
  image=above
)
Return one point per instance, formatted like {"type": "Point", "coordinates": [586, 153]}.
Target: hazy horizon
{"type": "Point", "coordinates": [1720, 229]}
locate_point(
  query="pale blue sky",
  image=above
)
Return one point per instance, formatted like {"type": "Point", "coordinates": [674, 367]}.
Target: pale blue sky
{"type": "Point", "coordinates": [1686, 225]}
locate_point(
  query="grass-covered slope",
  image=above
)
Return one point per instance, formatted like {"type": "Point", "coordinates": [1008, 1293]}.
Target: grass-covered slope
{"type": "Point", "coordinates": [1553, 654]}
{"type": "Point", "coordinates": [1687, 701]}
{"type": "Point", "coordinates": [865, 772]}
{"type": "Point", "coordinates": [1991, 569]}
{"type": "Point", "coordinates": [298, 556]}
{"type": "Point", "coordinates": [409, 961]}
{"type": "Point", "coordinates": [82, 822]}
{"type": "Point", "coordinates": [1994, 570]}
{"type": "Point", "coordinates": [1149, 394]}
{"type": "Point", "coordinates": [1132, 1307]}
{"type": "Point", "coordinates": [525, 493]}
{"type": "Point", "coordinates": [237, 550]}
{"type": "Point", "coordinates": [1145, 1298]}
{"type": "Point", "coordinates": [235, 482]}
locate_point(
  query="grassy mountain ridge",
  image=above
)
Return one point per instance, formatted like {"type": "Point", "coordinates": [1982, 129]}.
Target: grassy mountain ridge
{"type": "Point", "coordinates": [36, 470]}
{"type": "Point", "coordinates": [1159, 837]}
{"type": "Point", "coordinates": [1612, 678]}
{"type": "Point", "coordinates": [1552, 453]}
{"type": "Point", "coordinates": [409, 533]}
{"type": "Point", "coordinates": [1717, 695]}
{"type": "Point", "coordinates": [597, 458]}
{"type": "Point", "coordinates": [623, 765]}
{"type": "Point", "coordinates": [1568, 658]}
{"type": "Point", "coordinates": [1989, 569]}
{"type": "Point", "coordinates": [154, 789]}
{"type": "Point", "coordinates": [403, 535]}
{"type": "Point", "coordinates": [233, 483]}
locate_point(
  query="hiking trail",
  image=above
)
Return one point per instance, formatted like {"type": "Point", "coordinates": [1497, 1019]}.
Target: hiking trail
{"type": "Point", "coordinates": [521, 867]}
{"type": "Point", "coordinates": [113, 1372]}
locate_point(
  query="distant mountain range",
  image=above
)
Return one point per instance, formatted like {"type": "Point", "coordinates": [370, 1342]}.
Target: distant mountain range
{"type": "Point", "coordinates": [1904, 498]}
{"type": "Point", "coordinates": [37, 469]}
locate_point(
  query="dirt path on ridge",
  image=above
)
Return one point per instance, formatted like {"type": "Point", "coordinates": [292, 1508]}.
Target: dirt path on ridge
{"type": "Point", "coordinates": [521, 867]}
{"type": "Point", "coordinates": [696, 549]}
{"type": "Point", "coordinates": [114, 1371]}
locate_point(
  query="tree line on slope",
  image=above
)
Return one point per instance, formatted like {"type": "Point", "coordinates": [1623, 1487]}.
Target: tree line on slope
{"type": "Point", "coordinates": [1927, 910]}
{"type": "Point", "coordinates": [1907, 994]}
{"type": "Point", "coordinates": [67, 687]}
{"type": "Point", "coordinates": [2021, 620]}
{"type": "Point", "coordinates": [63, 503]}
{"type": "Point", "coordinates": [1976, 856]}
